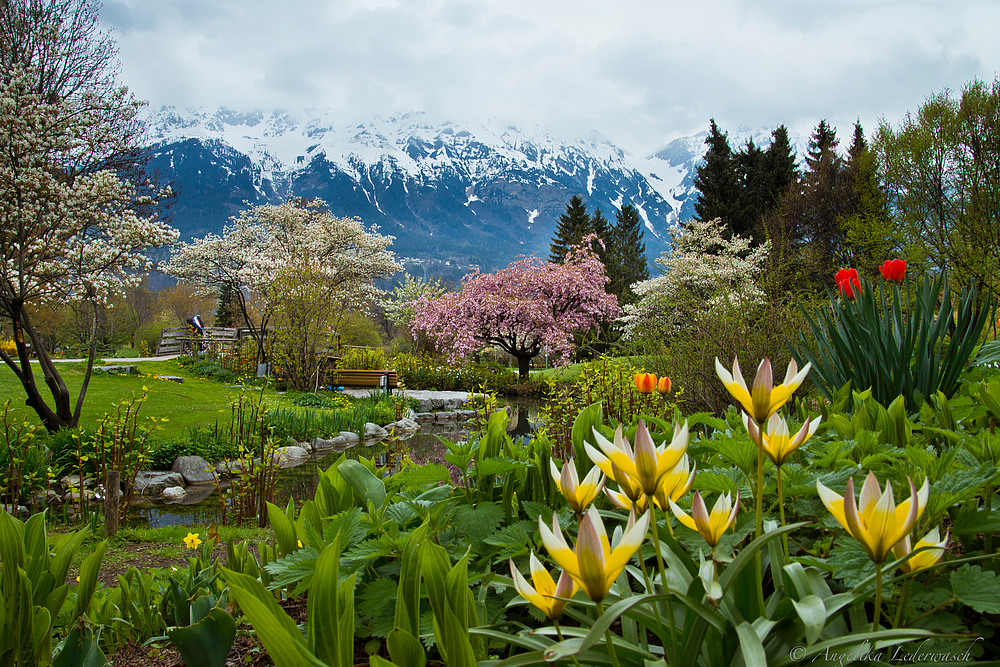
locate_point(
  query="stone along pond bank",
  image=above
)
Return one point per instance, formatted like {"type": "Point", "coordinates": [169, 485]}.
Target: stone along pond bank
{"type": "Point", "coordinates": [192, 479]}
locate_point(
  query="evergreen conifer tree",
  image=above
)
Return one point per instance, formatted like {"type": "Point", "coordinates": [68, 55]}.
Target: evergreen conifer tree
{"type": "Point", "coordinates": [780, 165]}
{"type": "Point", "coordinates": [626, 263]}
{"type": "Point", "coordinates": [752, 201]}
{"type": "Point", "coordinates": [716, 179]}
{"type": "Point", "coordinates": [870, 236]}
{"type": "Point", "coordinates": [227, 312]}
{"type": "Point", "coordinates": [573, 225]}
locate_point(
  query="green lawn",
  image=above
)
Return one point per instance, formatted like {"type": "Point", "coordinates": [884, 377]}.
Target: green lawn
{"type": "Point", "coordinates": [196, 402]}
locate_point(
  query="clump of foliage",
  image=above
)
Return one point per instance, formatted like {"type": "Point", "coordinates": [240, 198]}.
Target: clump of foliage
{"type": "Point", "coordinates": [427, 371]}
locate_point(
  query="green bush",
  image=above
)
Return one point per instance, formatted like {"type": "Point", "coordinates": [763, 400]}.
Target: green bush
{"type": "Point", "coordinates": [363, 359]}
{"type": "Point", "coordinates": [425, 371]}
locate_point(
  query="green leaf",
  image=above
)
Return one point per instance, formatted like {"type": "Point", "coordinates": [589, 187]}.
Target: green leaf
{"type": "Point", "coordinates": [80, 649]}
{"type": "Point", "coordinates": [477, 522]}
{"type": "Point", "coordinates": [278, 632]}
{"type": "Point", "coordinates": [422, 475]}
{"type": "Point", "coordinates": [284, 530]}
{"type": "Point", "coordinates": [296, 566]}
{"type": "Point", "coordinates": [368, 487]}
{"type": "Point", "coordinates": [583, 432]}
{"type": "Point", "coordinates": [207, 642]}
{"type": "Point", "coordinates": [405, 649]}
{"type": "Point", "coordinates": [976, 588]}
{"type": "Point", "coordinates": [750, 646]}
{"type": "Point", "coordinates": [88, 580]}
{"type": "Point", "coordinates": [812, 612]}
{"type": "Point", "coordinates": [989, 353]}
{"type": "Point", "coordinates": [499, 466]}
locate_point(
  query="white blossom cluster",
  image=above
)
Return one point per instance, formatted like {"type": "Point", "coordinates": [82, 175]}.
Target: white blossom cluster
{"type": "Point", "coordinates": [260, 245]}
{"type": "Point", "coordinates": [400, 306]}
{"type": "Point", "coordinates": [68, 230]}
{"type": "Point", "coordinates": [702, 269]}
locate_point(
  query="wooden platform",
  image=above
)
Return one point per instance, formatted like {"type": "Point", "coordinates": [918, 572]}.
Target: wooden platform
{"type": "Point", "coordinates": [179, 340]}
{"type": "Point", "coordinates": [356, 378]}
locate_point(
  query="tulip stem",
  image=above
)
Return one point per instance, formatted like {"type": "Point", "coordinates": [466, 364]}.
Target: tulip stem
{"type": "Point", "coordinates": [878, 597]}
{"type": "Point", "coordinates": [608, 637]}
{"type": "Point", "coordinates": [759, 524]}
{"type": "Point", "coordinates": [663, 571]}
{"type": "Point", "coordinates": [649, 587]}
{"type": "Point", "coordinates": [781, 510]}
{"type": "Point", "coordinates": [904, 596]}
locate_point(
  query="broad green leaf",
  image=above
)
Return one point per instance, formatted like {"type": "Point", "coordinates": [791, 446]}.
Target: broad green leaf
{"type": "Point", "coordinates": [582, 432]}
{"type": "Point", "coordinates": [477, 522]}
{"type": "Point", "coordinates": [977, 588]}
{"type": "Point", "coordinates": [284, 530]}
{"type": "Point", "coordinates": [750, 645]}
{"type": "Point", "coordinates": [207, 642]}
{"type": "Point", "coordinates": [88, 580]}
{"type": "Point", "coordinates": [368, 487]}
{"type": "Point", "coordinates": [812, 612]}
{"type": "Point", "coordinates": [405, 649]}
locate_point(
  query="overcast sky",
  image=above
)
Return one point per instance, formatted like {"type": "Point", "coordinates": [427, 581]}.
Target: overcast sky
{"type": "Point", "coordinates": [641, 72]}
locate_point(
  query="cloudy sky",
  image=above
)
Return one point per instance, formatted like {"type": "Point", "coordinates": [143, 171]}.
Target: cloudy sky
{"type": "Point", "coordinates": [641, 72]}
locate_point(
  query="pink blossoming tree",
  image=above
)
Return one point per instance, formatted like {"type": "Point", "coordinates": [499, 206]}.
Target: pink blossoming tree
{"type": "Point", "coordinates": [530, 305]}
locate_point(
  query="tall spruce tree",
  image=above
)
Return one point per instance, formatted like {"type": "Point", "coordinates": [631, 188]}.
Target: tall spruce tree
{"type": "Point", "coordinates": [626, 264]}
{"type": "Point", "coordinates": [573, 225]}
{"type": "Point", "coordinates": [716, 179]}
{"type": "Point", "coordinates": [781, 170]}
{"type": "Point", "coordinates": [752, 201]}
{"type": "Point", "coordinates": [870, 236]}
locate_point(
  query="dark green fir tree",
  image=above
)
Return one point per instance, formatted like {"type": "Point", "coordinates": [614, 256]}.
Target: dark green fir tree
{"type": "Point", "coordinates": [573, 225]}
{"type": "Point", "coordinates": [716, 179]}
{"type": "Point", "coordinates": [626, 263]}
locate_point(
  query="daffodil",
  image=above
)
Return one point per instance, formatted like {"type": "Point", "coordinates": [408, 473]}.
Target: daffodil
{"type": "Point", "coordinates": [776, 441]}
{"type": "Point", "coordinates": [922, 559]}
{"type": "Point", "coordinates": [578, 494]}
{"type": "Point", "coordinates": [543, 590]}
{"type": "Point", "coordinates": [877, 522]}
{"type": "Point", "coordinates": [712, 525]}
{"type": "Point", "coordinates": [763, 399]}
{"type": "Point", "coordinates": [594, 565]}
{"type": "Point", "coordinates": [192, 541]}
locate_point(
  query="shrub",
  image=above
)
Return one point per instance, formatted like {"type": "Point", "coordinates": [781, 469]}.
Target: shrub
{"type": "Point", "coordinates": [363, 359]}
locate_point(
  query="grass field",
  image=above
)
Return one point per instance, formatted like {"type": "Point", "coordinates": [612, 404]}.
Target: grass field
{"type": "Point", "coordinates": [195, 403]}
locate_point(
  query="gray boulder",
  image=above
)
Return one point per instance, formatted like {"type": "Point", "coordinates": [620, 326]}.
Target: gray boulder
{"type": "Point", "coordinates": [349, 437]}
{"type": "Point", "coordinates": [291, 456]}
{"type": "Point", "coordinates": [375, 432]}
{"type": "Point", "coordinates": [152, 483]}
{"type": "Point", "coordinates": [173, 493]}
{"type": "Point", "coordinates": [194, 469]}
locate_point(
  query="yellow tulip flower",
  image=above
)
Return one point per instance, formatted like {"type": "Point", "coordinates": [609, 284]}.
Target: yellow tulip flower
{"type": "Point", "coordinates": [763, 399]}
{"type": "Point", "coordinates": [923, 559]}
{"type": "Point", "coordinates": [622, 500]}
{"type": "Point", "coordinates": [878, 523]}
{"type": "Point", "coordinates": [710, 526]}
{"type": "Point", "coordinates": [777, 442]}
{"type": "Point", "coordinates": [545, 590]}
{"type": "Point", "coordinates": [675, 483]}
{"type": "Point", "coordinates": [594, 564]}
{"type": "Point", "coordinates": [191, 541]}
{"type": "Point", "coordinates": [578, 494]}
{"type": "Point", "coordinates": [628, 485]}
{"type": "Point", "coordinates": [652, 463]}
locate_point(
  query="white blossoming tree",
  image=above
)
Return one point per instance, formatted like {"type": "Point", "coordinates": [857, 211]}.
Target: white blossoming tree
{"type": "Point", "coordinates": [702, 271]}
{"type": "Point", "coordinates": [304, 266]}
{"type": "Point", "coordinates": [71, 228]}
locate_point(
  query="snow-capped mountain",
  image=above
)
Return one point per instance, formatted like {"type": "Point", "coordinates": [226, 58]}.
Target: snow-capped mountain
{"type": "Point", "coordinates": [448, 192]}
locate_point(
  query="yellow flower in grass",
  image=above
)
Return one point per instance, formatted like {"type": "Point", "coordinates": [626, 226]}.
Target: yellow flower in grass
{"type": "Point", "coordinates": [543, 590]}
{"type": "Point", "coordinates": [777, 442]}
{"type": "Point", "coordinates": [875, 521]}
{"type": "Point", "coordinates": [594, 564]}
{"type": "Point", "coordinates": [712, 525]}
{"type": "Point", "coordinates": [922, 559]}
{"type": "Point", "coordinates": [578, 494]}
{"type": "Point", "coordinates": [192, 541]}
{"type": "Point", "coordinates": [763, 399]}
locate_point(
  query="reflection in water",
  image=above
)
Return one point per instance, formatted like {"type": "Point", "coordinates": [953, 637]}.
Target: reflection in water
{"type": "Point", "coordinates": [300, 482]}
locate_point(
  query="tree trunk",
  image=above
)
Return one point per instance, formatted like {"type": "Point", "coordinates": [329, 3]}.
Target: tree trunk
{"type": "Point", "coordinates": [523, 366]}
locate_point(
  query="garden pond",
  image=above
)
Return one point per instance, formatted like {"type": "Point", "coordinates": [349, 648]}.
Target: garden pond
{"type": "Point", "coordinates": [300, 482]}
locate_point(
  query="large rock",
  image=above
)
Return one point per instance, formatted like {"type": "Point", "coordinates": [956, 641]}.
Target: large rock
{"type": "Point", "coordinates": [326, 444]}
{"type": "Point", "coordinates": [194, 469]}
{"type": "Point", "coordinates": [291, 456]}
{"type": "Point", "coordinates": [375, 432]}
{"type": "Point", "coordinates": [349, 437]}
{"type": "Point", "coordinates": [173, 494]}
{"type": "Point", "coordinates": [229, 468]}
{"type": "Point", "coordinates": [404, 424]}
{"type": "Point", "coordinates": [152, 483]}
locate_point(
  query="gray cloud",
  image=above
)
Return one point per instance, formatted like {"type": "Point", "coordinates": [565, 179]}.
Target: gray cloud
{"type": "Point", "coordinates": [639, 71]}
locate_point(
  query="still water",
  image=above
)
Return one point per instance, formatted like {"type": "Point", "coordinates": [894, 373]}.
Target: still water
{"type": "Point", "coordinates": [301, 481]}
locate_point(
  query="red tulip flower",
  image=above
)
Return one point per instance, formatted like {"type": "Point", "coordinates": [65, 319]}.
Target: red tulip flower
{"type": "Point", "coordinates": [848, 282]}
{"type": "Point", "coordinates": [645, 382]}
{"type": "Point", "coordinates": [894, 270]}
